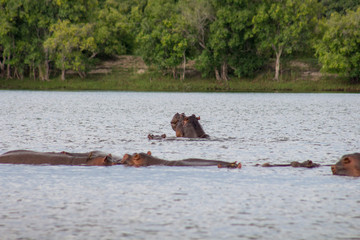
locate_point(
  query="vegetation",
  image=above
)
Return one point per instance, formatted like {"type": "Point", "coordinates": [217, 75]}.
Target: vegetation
{"type": "Point", "coordinates": [339, 48]}
{"type": "Point", "coordinates": [234, 41]}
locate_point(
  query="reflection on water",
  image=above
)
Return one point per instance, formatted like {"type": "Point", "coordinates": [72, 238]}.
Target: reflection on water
{"type": "Point", "coordinates": [63, 202]}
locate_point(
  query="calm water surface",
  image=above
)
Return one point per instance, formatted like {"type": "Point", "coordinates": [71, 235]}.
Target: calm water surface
{"type": "Point", "coordinates": [76, 202]}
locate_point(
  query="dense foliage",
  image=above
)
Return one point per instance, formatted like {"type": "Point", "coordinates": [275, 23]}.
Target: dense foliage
{"type": "Point", "coordinates": [339, 48]}
{"type": "Point", "coordinates": [44, 38]}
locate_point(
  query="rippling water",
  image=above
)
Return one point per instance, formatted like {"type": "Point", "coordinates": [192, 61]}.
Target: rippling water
{"type": "Point", "coordinates": [75, 202]}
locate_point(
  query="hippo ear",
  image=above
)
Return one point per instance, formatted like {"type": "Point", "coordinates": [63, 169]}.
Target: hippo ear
{"type": "Point", "coordinates": [149, 153]}
{"type": "Point", "coordinates": [108, 160]}
{"type": "Point", "coordinates": [125, 157]}
{"type": "Point", "coordinates": [198, 118]}
{"type": "Point", "coordinates": [346, 160]}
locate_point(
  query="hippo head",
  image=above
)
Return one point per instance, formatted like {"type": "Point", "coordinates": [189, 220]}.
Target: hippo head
{"type": "Point", "coordinates": [187, 126]}
{"type": "Point", "coordinates": [136, 159]}
{"type": "Point", "coordinates": [176, 120]}
{"type": "Point", "coordinates": [192, 127]}
{"type": "Point", "coordinates": [348, 165]}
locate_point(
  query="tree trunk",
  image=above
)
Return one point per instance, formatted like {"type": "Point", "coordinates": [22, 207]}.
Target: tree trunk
{"type": "Point", "coordinates": [217, 75]}
{"type": "Point", "coordinates": [174, 72]}
{"type": "Point", "coordinates": [82, 74]}
{"type": "Point", "coordinates": [63, 74]}
{"type": "Point", "coordinates": [8, 70]}
{"type": "Point", "coordinates": [63, 69]}
{"type": "Point", "coordinates": [2, 68]}
{"type": "Point", "coordinates": [224, 72]}
{"type": "Point", "coordinates": [18, 74]}
{"type": "Point", "coordinates": [41, 73]}
{"type": "Point", "coordinates": [184, 68]}
{"type": "Point", "coordinates": [278, 53]}
{"type": "Point", "coordinates": [46, 63]}
{"type": "Point", "coordinates": [34, 71]}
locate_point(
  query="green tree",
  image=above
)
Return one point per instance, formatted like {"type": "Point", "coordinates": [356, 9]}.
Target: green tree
{"type": "Point", "coordinates": [196, 17]}
{"type": "Point", "coordinates": [160, 40]}
{"type": "Point", "coordinates": [77, 11]}
{"type": "Point", "coordinates": [69, 45]}
{"type": "Point", "coordinates": [281, 25]}
{"type": "Point", "coordinates": [112, 31]}
{"type": "Point", "coordinates": [9, 36]}
{"type": "Point", "coordinates": [339, 6]}
{"type": "Point", "coordinates": [339, 48]}
{"type": "Point", "coordinates": [231, 39]}
{"type": "Point", "coordinates": [38, 16]}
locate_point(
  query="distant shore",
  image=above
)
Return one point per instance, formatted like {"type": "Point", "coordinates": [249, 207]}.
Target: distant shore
{"type": "Point", "coordinates": [128, 73]}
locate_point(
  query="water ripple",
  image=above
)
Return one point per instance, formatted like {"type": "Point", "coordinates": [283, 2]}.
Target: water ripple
{"type": "Point", "coordinates": [63, 202]}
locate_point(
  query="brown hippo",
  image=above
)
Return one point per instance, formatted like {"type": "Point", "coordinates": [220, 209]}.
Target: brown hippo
{"type": "Point", "coordinates": [156, 137]}
{"type": "Point", "coordinates": [177, 124]}
{"type": "Point", "coordinates": [187, 126]}
{"type": "Point", "coordinates": [94, 158]}
{"type": "Point", "coordinates": [348, 165]}
{"type": "Point", "coordinates": [145, 159]}
{"type": "Point", "coordinates": [305, 164]}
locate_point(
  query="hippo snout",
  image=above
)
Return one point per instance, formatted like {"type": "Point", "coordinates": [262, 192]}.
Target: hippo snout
{"type": "Point", "coordinates": [333, 169]}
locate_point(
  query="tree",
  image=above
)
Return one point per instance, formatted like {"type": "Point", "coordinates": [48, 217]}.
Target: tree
{"type": "Point", "coordinates": [231, 39]}
{"type": "Point", "coordinates": [112, 31]}
{"type": "Point", "coordinates": [38, 16]}
{"type": "Point", "coordinates": [281, 25]}
{"type": "Point", "coordinates": [9, 35]}
{"type": "Point", "coordinates": [339, 48]}
{"type": "Point", "coordinates": [160, 40]}
{"type": "Point", "coordinates": [69, 45]}
{"type": "Point", "coordinates": [339, 6]}
{"type": "Point", "coordinates": [195, 18]}
{"type": "Point", "coordinates": [79, 11]}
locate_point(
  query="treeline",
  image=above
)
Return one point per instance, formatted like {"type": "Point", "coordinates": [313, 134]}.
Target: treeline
{"type": "Point", "coordinates": [44, 38]}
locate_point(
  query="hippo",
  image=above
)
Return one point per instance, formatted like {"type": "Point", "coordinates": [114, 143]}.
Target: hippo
{"type": "Point", "coordinates": [156, 137]}
{"type": "Point", "coordinates": [187, 126]}
{"type": "Point", "coordinates": [146, 159]}
{"type": "Point", "coordinates": [305, 164]}
{"type": "Point", "coordinates": [348, 165]}
{"type": "Point", "coordinates": [177, 124]}
{"type": "Point", "coordinates": [94, 158]}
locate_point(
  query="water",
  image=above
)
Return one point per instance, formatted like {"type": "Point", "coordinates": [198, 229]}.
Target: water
{"type": "Point", "coordinates": [77, 202]}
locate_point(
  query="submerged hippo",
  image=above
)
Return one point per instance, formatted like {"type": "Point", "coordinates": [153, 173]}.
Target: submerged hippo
{"type": "Point", "coordinates": [305, 164]}
{"type": "Point", "coordinates": [187, 126]}
{"type": "Point", "coordinates": [156, 137]}
{"type": "Point", "coordinates": [348, 165]}
{"type": "Point", "coordinates": [94, 158]}
{"type": "Point", "coordinates": [145, 159]}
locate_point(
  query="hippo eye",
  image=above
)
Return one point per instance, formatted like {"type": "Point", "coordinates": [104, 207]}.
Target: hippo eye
{"type": "Point", "coordinates": [136, 156]}
{"type": "Point", "coordinates": [346, 160]}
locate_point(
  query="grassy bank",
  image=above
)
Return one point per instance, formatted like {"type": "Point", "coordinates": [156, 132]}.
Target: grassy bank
{"type": "Point", "coordinates": [296, 77]}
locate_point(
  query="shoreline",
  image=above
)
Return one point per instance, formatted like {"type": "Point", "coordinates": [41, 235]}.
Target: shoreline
{"type": "Point", "coordinates": [129, 73]}
{"type": "Point", "coordinates": [142, 84]}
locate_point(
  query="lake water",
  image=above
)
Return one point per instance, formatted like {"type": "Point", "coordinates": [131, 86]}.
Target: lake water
{"type": "Point", "coordinates": [78, 202]}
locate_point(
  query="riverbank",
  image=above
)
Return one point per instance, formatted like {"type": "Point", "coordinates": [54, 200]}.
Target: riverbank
{"type": "Point", "coordinates": [128, 73]}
